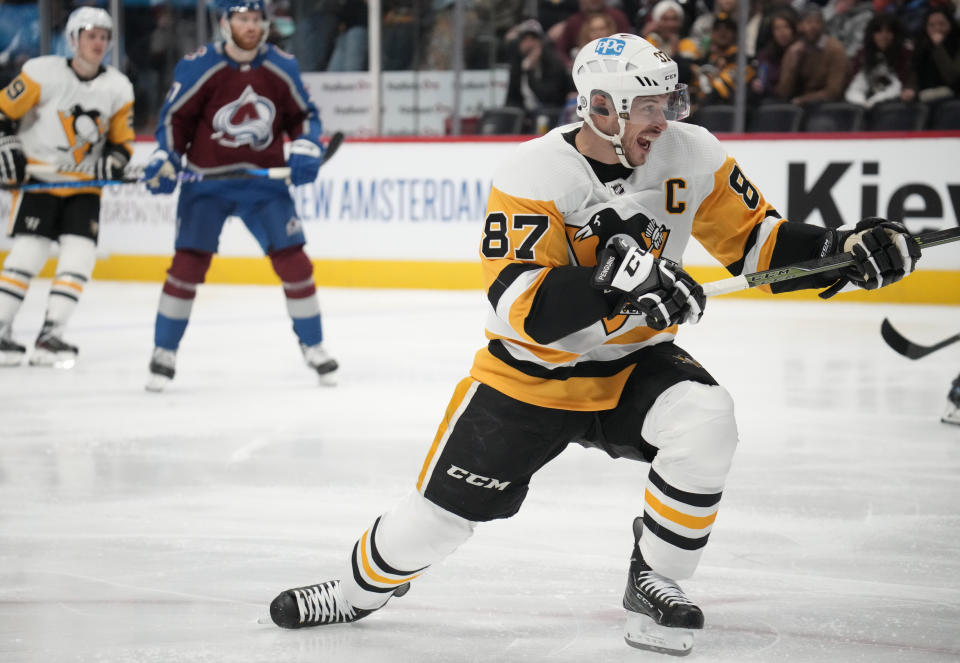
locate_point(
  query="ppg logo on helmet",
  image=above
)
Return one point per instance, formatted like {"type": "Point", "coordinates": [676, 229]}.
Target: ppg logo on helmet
{"type": "Point", "coordinates": [610, 46]}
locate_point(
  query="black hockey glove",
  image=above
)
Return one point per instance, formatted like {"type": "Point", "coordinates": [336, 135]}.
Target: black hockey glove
{"type": "Point", "coordinates": [884, 252]}
{"type": "Point", "coordinates": [111, 163]}
{"type": "Point", "coordinates": [656, 288]}
{"type": "Point", "coordinates": [13, 162]}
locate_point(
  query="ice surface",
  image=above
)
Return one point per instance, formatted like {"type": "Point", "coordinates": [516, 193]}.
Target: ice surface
{"type": "Point", "coordinates": [157, 527]}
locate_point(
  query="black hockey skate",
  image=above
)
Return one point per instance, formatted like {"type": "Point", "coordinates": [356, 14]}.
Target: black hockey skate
{"type": "Point", "coordinates": [11, 352]}
{"type": "Point", "coordinates": [659, 615]}
{"type": "Point", "coordinates": [162, 368]}
{"type": "Point", "coordinates": [51, 350]}
{"type": "Point", "coordinates": [318, 605]}
{"type": "Point", "coordinates": [320, 361]}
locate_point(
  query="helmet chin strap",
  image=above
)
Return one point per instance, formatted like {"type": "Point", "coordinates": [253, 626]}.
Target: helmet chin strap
{"type": "Point", "coordinates": [616, 140]}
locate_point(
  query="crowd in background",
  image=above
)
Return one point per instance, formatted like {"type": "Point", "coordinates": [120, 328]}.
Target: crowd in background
{"type": "Point", "coordinates": [862, 52]}
{"type": "Point", "coordinates": [797, 51]}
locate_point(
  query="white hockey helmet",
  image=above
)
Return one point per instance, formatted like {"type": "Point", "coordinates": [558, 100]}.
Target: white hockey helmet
{"type": "Point", "coordinates": [86, 18]}
{"type": "Point", "coordinates": [228, 7]}
{"type": "Point", "coordinates": [626, 69]}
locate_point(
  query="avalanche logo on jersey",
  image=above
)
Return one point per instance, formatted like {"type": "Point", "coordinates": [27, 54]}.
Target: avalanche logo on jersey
{"type": "Point", "coordinates": [247, 120]}
{"type": "Point", "coordinates": [82, 129]}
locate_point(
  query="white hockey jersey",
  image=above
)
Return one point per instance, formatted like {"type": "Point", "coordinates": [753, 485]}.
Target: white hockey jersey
{"type": "Point", "coordinates": [554, 340]}
{"type": "Point", "coordinates": [65, 121]}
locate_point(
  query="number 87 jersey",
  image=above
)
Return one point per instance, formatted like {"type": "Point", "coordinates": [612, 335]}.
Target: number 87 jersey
{"type": "Point", "coordinates": [554, 339]}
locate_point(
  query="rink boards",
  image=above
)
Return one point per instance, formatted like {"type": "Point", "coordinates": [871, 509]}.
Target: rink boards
{"type": "Point", "coordinates": [407, 213]}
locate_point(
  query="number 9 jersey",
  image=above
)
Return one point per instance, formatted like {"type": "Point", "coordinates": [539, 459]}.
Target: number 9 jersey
{"type": "Point", "coordinates": [66, 121]}
{"type": "Point", "coordinates": [555, 340]}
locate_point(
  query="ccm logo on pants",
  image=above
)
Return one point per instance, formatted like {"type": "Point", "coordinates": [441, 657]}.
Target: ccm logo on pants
{"type": "Point", "coordinates": [476, 479]}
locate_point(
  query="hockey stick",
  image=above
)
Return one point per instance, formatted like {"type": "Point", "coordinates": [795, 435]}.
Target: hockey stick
{"type": "Point", "coordinates": [908, 348]}
{"type": "Point", "coordinates": [797, 270]}
{"type": "Point", "coordinates": [277, 173]}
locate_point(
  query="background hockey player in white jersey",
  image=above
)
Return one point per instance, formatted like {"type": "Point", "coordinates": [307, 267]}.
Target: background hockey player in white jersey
{"type": "Point", "coordinates": [229, 108]}
{"type": "Point", "coordinates": [75, 115]}
{"type": "Point", "coordinates": [581, 249]}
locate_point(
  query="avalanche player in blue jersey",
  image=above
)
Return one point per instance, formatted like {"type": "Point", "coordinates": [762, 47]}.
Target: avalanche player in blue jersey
{"type": "Point", "coordinates": [229, 107]}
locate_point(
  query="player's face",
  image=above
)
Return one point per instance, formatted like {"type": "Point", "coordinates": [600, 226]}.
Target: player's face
{"type": "Point", "coordinates": [247, 28]}
{"type": "Point", "coordinates": [645, 124]}
{"type": "Point", "coordinates": [92, 44]}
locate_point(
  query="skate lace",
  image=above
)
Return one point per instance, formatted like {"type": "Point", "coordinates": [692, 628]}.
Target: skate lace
{"type": "Point", "coordinates": [661, 588]}
{"type": "Point", "coordinates": [323, 604]}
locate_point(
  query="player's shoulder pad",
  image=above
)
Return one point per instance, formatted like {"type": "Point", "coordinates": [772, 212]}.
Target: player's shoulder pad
{"type": "Point", "coordinates": [282, 59]}
{"type": "Point", "coordinates": [545, 168]}
{"type": "Point", "coordinates": [276, 50]}
{"type": "Point", "coordinates": [194, 64]}
{"type": "Point", "coordinates": [46, 67]}
{"type": "Point", "coordinates": [695, 147]}
{"type": "Point", "coordinates": [119, 82]}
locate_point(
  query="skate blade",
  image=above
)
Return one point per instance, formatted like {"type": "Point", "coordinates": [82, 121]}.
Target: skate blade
{"type": "Point", "coordinates": [156, 383]}
{"type": "Point", "coordinates": [61, 360]}
{"type": "Point", "coordinates": [642, 632]}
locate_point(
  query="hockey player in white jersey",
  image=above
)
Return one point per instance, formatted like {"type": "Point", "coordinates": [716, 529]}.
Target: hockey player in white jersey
{"type": "Point", "coordinates": [581, 253]}
{"type": "Point", "coordinates": [74, 116]}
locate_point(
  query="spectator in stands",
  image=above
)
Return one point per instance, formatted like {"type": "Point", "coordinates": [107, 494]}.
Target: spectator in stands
{"type": "Point", "coordinates": [664, 28]}
{"type": "Point", "coordinates": [936, 61]}
{"type": "Point", "coordinates": [282, 26]}
{"type": "Point", "coordinates": [401, 35]}
{"type": "Point", "coordinates": [882, 68]}
{"type": "Point", "coordinates": [759, 32]}
{"type": "Point", "coordinates": [596, 26]}
{"type": "Point", "coordinates": [665, 31]}
{"type": "Point", "coordinates": [564, 35]}
{"type": "Point", "coordinates": [715, 76]}
{"type": "Point", "coordinates": [783, 33]}
{"type": "Point", "coordinates": [910, 12]}
{"type": "Point", "coordinates": [815, 67]}
{"type": "Point", "coordinates": [552, 12]}
{"type": "Point", "coordinates": [350, 50]}
{"type": "Point", "coordinates": [700, 30]}
{"type": "Point", "coordinates": [478, 35]}
{"type": "Point", "coordinates": [317, 27]}
{"type": "Point", "coordinates": [539, 81]}
{"type": "Point", "coordinates": [847, 21]}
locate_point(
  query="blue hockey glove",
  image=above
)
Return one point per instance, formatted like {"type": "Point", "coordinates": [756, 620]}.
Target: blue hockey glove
{"type": "Point", "coordinates": [305, 159]}
{"type": "Point", "coordinates": [160, 175]}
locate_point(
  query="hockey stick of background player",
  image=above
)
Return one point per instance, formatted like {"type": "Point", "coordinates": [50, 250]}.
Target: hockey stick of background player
{"type": "Point", "coordinates": [908, 348]}
{"type": "Point", "coordinates": [278, 173]}
{"type": "Point", "coordinates": [744, 281]}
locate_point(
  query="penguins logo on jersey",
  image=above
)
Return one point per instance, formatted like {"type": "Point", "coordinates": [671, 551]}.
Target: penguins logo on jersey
{"type": "Point", "coordinates": [82, 129]}
{"type": "Point", "coordinates": [639, 229]}
{"type": "Point", "coordinates": [248, 120]}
